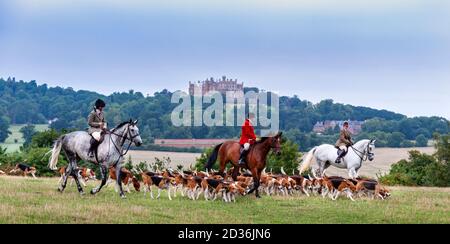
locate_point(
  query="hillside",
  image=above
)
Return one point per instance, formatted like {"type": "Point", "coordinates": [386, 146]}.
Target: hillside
{"type": "Point", "coordinates": [27, 102]}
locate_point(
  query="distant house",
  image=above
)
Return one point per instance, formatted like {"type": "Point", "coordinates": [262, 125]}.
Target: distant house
{"type": "Point", "coordinates": [355, 126]}
{"type": "Point", "coordinates": [51, 121]}
{"type": "Point", "coordinates": [188, 143]}
{"type": "Point", "coordinates": [221, 85]}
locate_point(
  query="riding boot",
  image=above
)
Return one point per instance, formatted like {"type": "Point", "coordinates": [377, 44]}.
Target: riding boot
{"type": "Point", "coordinates": [93, 147]}
{"type": "Point", "coordinates": [341, 154]}
{"type": "Point", "coordinates": [242, 158]}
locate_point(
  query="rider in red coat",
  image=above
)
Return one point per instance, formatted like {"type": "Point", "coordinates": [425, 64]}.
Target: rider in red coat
{"type": "Point", "coordinates": [248, 138]}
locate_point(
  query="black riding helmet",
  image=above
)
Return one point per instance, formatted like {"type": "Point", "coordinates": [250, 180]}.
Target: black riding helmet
{"type": "Point", "coordinates": [100, 103]}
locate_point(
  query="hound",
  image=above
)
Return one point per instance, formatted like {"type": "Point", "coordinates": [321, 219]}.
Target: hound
{"type": "Point", "coordinates": [158, 181]}
{"type": "Point", "coordinates": [193, 187]}
{"type": "Point", "coordinates": [232, 189]}
{"type": "Point", "coordinates": [84, 175]}
{"type": "Point", "coordinates": [211, 188]}
{"type": "Point", "coordinates": [334, 186]}
{"type": "Point", "coordinates": [373, 188]}
{"type": "Point", "coordinates": [2, 172]}
{"type": "Point", "coordinates": [302, 184]}
{"type": "Point", "coordinates": [26, 169]}
{"type": "Point", "coordinates": [127, 178]}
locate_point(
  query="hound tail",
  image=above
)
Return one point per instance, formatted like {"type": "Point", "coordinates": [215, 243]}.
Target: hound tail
{"type": "Point", "coordinates": [212, 159]}
{"type": "Point", "coordinates": [307, 160]}
{"type": "Point", "coordinates": [55, 153]}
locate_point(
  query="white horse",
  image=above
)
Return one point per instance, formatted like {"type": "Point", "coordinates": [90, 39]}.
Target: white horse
{"type": "Point", "coordinates": [326, 155]}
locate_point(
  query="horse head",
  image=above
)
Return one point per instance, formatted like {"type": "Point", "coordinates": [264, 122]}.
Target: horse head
{"type": "Point", "coordinates": [133, 132]}
{"type": "Point", "coordinates": [276, 143]}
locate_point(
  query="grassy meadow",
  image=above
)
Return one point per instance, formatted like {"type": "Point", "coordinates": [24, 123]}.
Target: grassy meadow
{"type": "Point", "coordinates": [26, 200]}
{"type": "Point", "coordinates": [15, 139]}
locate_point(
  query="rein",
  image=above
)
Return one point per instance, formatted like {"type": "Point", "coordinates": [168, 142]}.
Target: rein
{"type": "Point", "coordinates": [362, 155]}
{"type": "Point", "coordinates": [119, 149]}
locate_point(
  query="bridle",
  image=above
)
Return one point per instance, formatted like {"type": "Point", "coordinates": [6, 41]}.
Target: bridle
{"type": "Point", "coordinates": [365, 154]}
{"type": "Point", "coordinates": [276, 146]}
{"type": "Point", "coordinates": [124, 137]}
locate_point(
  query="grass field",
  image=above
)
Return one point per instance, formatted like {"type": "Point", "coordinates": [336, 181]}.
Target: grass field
{"type": "Point", "coordinates": [15, 140]}
{"type": "Point", "coordinates": [37, 201]}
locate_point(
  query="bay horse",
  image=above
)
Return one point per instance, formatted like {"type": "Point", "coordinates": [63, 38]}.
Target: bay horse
{"type": "Point", "coordinates": [109, 153]}
{"type": "Point", "coordinates": [229, 152]}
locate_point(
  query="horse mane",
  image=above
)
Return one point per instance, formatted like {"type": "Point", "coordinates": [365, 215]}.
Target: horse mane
{"type": "Point", "coordinates": [263, 139]}
{"type": "Point", "coordinates": [120, 125]}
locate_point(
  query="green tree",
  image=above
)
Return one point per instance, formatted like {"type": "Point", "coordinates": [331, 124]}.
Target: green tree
{"type": "Point", "coordinates": [289, 158]}
{"type": "Point", "coordinates": [44, 139]}
{"type": "Point", "coordinates": [28, 132]}
{"type": "Point", "coordinates": [4, 126]}
{"type": "Point", "coordinates": [201, 161]}
{"type": "Point", "coordinates": [395, 139]}
{"type": "Point", "coordinates": [422, 169]}
{"type": "Point", "coordinates": [421, 141]}
{"type": "Point", "coordinates": [442, 144]}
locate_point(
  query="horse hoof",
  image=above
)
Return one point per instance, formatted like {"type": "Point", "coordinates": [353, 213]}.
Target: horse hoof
{"type": "Point", "coordinates": [123, 196]}
{"type": "Point", "coordinates": [82, 193]}
{"type": "Point", "coordinates": [258, 196]}
{"type": "Point", "coordinates": [93, 192]}
{"type": "Point", "coordinates": [60, 190]}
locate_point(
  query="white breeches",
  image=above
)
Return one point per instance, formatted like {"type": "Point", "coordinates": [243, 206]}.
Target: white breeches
{"type": "Point", "coordinates": [96, 135]}
{"type": "Point", "coordinates": [246, 146]}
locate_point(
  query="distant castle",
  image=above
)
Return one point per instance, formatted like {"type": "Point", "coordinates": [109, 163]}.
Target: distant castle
{"type": "Point", "coordinates": [221, 85]}
{"type": "Point", "coordinates": [355, 127]}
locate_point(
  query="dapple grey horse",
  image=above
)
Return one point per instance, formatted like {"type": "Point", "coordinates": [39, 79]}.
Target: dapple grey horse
{"type": "Point", "coordinates": [326, 155]}
{"type": "Point", "coordinates": [110, 153]}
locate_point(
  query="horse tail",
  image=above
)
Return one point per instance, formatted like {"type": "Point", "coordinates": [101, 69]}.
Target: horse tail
{"type": "Point", "coordinates": [55, 153]}
{"type": "Point", "coordinates": [212, 159]}
{"type": "Point", "coordinates": [307, 160]}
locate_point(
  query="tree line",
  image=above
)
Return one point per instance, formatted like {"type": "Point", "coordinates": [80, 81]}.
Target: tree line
{"type": "Point", "coordinates": [29, 103]}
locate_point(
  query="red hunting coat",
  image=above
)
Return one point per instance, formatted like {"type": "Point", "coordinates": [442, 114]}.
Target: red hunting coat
{"type": "Point", "coordinates": [248, 133]}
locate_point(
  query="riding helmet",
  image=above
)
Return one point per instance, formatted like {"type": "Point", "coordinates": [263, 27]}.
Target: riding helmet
{"type": "Point", "coordinates": [100, 103]}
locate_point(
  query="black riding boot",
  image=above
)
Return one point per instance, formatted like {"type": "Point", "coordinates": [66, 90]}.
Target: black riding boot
{"type": "Point", "coordinates": [242, 158]}
{"type": "Point", "coordinates": [94, 145]}
{"type": "Point", "coordinates": [341, 154]}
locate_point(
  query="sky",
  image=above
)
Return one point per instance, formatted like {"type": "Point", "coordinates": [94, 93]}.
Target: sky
{"type": "Point", "coordinates": [385, 54]}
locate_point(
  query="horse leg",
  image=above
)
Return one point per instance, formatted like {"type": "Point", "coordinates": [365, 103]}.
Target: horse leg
{"type": "Point", "coordinates": [352, 173]}
{"type": "Point", "coordinates": [222, 165]}
{"type": "Point", "coordinates": [256, 182]}
{"type": "Point", "coordinates": [64, 179]}
{"type": "Point", "coordinates": [321, 168]}
{"type": "Point", "coordinates": [75, 176]}
{"type": "Point", "coordinates": [235, 173]}
{"type": "Point", "coordinates": [118, 179]}
{"type": "Point", "coordinates": [103, 173]}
